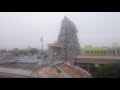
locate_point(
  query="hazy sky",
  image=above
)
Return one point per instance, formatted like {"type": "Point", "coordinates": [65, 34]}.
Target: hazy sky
{"type": "Point", "coordinates": [23, 29]}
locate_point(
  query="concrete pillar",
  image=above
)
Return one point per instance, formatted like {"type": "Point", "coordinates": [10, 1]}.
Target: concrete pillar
{"type": "Point", "coordinates": [88, 68]}
{"type": "Point", "coordinates": [115, 51]}
{"type": "Point", "coordinates": [50, 53]}
{"type": "Point", "coordinates": [110, 52]}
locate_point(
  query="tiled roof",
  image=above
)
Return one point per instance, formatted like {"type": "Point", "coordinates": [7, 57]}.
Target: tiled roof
{"type": "Point", "coordinates": [66, 70]}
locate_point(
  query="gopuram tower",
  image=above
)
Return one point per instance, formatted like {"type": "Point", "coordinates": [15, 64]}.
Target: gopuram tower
{"type": "Point", "coordinates": [68, 39]}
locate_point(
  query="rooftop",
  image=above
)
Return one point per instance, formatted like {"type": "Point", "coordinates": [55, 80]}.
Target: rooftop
{"type": "Point", "coordinates": [15, 71]}
{"type": "Point", "coordinates": [66, 70]}
{"type": "Point", "coordinates": [54, 45]}
{"type": "Point", "coordinates": [55, 70]}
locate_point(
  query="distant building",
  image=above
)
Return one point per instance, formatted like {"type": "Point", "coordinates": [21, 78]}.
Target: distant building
{"type": "Point", "coordinates": [114, 51]}
{"type": "Point", "coordinates": [115, 45]}
{"type": "Point", "coordinates": [89, 50]}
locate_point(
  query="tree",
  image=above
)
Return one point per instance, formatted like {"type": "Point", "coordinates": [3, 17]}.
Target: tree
{"type": "Point", "coordinates": [15, 51]}
{"type": "Point", "coordinates": [3, 51]}
{"type": "Point", "coordinates": [108, 71]}
{"type": "Point", "coordinates": [34, 51]}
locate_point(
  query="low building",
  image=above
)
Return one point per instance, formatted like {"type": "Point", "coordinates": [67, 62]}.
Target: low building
{"type": "Point", "coordinates": [55, 52]}
{"type": "Point", "coordinates": [114, 51]}
{"type": "Point", "coordinates": [89, 50]}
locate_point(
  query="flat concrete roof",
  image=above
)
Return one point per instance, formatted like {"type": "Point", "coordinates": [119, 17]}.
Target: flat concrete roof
{"type": "Point", "coordinates": [54, 45]}
{"type": "Point", "coordinates": [31, 61]}
{"type": "Point", "coordinates": [15, 65]}
{"type": "Point", "coordinates": [99, 57]}
{"type": "Point", "coordinates": [15, 71]}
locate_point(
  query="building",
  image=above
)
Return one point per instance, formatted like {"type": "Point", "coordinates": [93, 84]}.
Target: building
{"type": "Point", "coordinates": [62, 70]}
{"type": "Point", "coordinates": [89, 50]}
{"type": "Point", "coordinates": [68, 39]}
{"type": "Point", "coordinates": [55, 52]}
{"type": "Point", "coordinates": [114, 51]}
{"type": "Point", "coordinates": [27, 60]}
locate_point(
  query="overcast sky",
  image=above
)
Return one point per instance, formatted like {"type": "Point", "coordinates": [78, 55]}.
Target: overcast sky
{"type": "Point", "coordinates": [23, 29]}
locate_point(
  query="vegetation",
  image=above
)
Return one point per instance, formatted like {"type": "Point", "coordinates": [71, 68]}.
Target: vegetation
{"type": "Point", "coordinates": [17, 51]}
{"type": "Point", "coordinates": [108, 71]}
{"type": "Point", "coordinates": [3, 51]}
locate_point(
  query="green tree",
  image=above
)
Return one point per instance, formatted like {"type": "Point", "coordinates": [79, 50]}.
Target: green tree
{"type": "Point", "coordinates": [3, 51]}
{"type": "Point", "coordinates": [34, 51]}
{"type": "Point", "coordinates": [15, 51]}
{"type": "Point", "coordinates": [108, 71]}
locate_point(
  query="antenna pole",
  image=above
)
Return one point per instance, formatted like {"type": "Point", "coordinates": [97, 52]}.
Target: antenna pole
{"type": "Point", "coordinates": [41, 39]}
{"type": "Point", "coordinates": [42, 44]}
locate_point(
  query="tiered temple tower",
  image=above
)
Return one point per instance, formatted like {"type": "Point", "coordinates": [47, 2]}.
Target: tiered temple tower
{"type": "Point", "coordinates": [68, 39]}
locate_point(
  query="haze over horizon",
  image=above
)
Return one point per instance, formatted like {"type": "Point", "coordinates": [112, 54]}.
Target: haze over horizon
{"type": "Point", "coordinates": [23, 29]}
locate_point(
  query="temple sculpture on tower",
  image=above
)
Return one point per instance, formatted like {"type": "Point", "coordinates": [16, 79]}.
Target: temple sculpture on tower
{"type": "Point", "coordinates": [68, 39]}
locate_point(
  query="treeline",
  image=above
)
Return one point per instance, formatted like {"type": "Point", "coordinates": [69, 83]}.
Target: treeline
{"type": "Point", "coordinates": [25, 52]}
